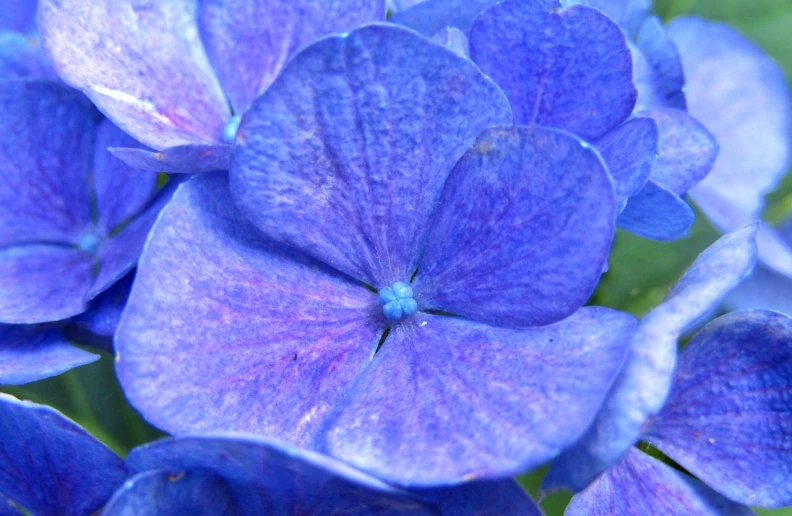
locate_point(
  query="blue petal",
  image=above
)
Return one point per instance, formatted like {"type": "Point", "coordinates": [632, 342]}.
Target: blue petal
{"type": "Point", "coordinates": [184, 159]}
{"type": "Point", "coordinates": [643, 384]}
{"type": "Point", "coordinates": [629, 151]}
{"type": "Point", "coordinates": [740, 95]}
{"type": "Point", "coordinates": [727, 419]}
{"type": "Point", "coordinates": [30, 353]}
{"type": "Point", "coordinates": [432, 16]}
{"type": "Point", "coordinates": [454, 40]}
{"type": "Point", "coordinates": [249, 42]}
{"type": "Point", "coordinates": [657, 214]}
{"type": "Point", "coordinates": [663, 57]}
{"type": "Point", "coordinates": [446, 399]}
{"type": "Point", "coordinates": [504, 497]}
{"type": "Point", "coordinates": [345, 155]}
{"type": "Point", "coordinates": [522, 232]}
{"type": "Point", "coordinates": [643, 485]}
{"type": "Point", "coordinates": [569, 69]}
{"type": "Point", "coordinates": [18, 15]}
{"type": "Point", "coordinates": [22, 57]}
{"type": "Point", "coordinates": [50, 465]}
{"type": "Point", "coordinates": [629, 14]}
{"type": "Point", "coordinates": [95, 327]}
{"type": "Point", "coordinates": [646, 82]}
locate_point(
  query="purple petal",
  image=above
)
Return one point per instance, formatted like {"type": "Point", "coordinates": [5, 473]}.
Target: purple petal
{"type": "Point", "coordinates": [46, 140]}
{"type": "Point", "coordinates": [629, 151]}
{"type": "Point", "coordinates": [121, 192]}
{"type": "Point", "coordinates": [142, 65]}
{"type": "Point", "coordinates": [345, 155]}
{"type": "Point", "coordinates": [184, 159]}
{"type": "Point", "coordinates": [643, 384]}
{"type": "Point", "coordinates": [447, 399]}
{"type": "Point", "coordinates": [50, 464]}
{"type": "Point", "coordinates": [41, 283]}
{"type": "Point", "coordinates": [687, 150]}
{"type": "Point", "coordinates": [22, 57]}
{"type": "Point", "coordinates": [570, 69]}
{"type": "Point", "coordinates": [643, 485]}
{"type": "Point", "coordinates": [454, 40]}
{"type": "Point", "coordinates": [663, 58]}
{"type": "Point", "coordinates": [18, 15]}
{"type": "Point", "coordinates": [740, 95]}
{"type": "Point", "coordinates": [482, 498]}
{"type": "Point", "coordinates": [96, 326]}
{"type": "Point", "coordinates": [266, 476]}
{"type": "Point", "coordinates": [629, 14]}
{"type": "Point", "coordinates": [645, 80]}
{"type": "Point", "coordinates": [267, 339]}
{"type": "Point", "coordinates": [657, 214]}
{"type": "Point", "coordinates": [29, 353]}
{"type": "Point", "coordinates": [728, 419]}
{"type": "Point", "coordinates": [250, 42]}
{"type": "Point", "coordinates": [522, 232]}
{"type": "Point", "coordinates": [431, 16]}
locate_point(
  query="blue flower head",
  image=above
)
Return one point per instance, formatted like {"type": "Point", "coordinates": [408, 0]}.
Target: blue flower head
{"type": "Point", "coordinates": [178, 75]}
{"type": "Point", "coordinates": [390, 275]}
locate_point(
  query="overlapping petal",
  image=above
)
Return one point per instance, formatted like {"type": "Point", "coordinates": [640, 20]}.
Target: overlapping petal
{"type": "Point", "coordinates": [267, 340]}
{"type": "Point", "coordinates": [630, 152]}
{"type": "Point", "coordinates": [21, 57]}
{"type": "Point", "coordinates": [182, 159]}
{"type": "Point", "coordinates": [565, 68]}
{"type": "Point", "coordinates": [431, 16]}
{"type": "Point", "coordinates": [629, 14]}
{"type": "Point", "coordinates": [644, 383]}
{"type": "Point", "coordinates": [29, 353]}
{"type": "Point", "coordinates": [345, 155]}
{"type": "Point", "coordinates": [663, 58]}
{"type": "Point", "coordinates": [18, 15]}
{"type": "Point", "coordinates": [656, 213]}
{"type": "Point", "coordinates": [142, 63]}
{"type": "Point", "coordinates": [249, 42]}
{"type": "Point", "coordinates": [50, 465]}
{"type": "Point", "coordinates": [447, 399]}
{"type": "Point", "coordinates": [728, 419]}
{"type": "Point", "coordinates": [640, 484]}
{"type": "Point", "coordinates": [522, 231]}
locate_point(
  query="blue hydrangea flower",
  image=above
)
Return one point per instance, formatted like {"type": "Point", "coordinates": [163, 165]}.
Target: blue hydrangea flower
{"type": "Point", "coordinates": [726, 421]}
{"type": "Point", "coordinates": [248, 475]}
{"type": "Point", "coordinates": [177, 75]}
{"type": "Point", "coordinates": [73, 219]}
{"type": "Point", "coordinates": [21, 54]}
{"type": "Point", "coordinates": [643, 384]}
{"type": "Point", "coordinates": [365, 158]}
{"type": "Point", "coordinates": [50, 465]}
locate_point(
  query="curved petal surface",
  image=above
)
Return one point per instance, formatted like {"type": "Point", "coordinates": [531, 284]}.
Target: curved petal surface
{"type": "Point", "coordinates": [22, 57]}
{"type": "Point", "coordinates": [629, 14]}
{"type": "Point", "coordinates": [18, 15]}
{"type": "Point", "coordinates": [143, 65]}
{"type": "Point", "coordinates": [431, 16]}
{"type": "Point", "coordinates": [728, 419]}
{"type": "Point", "coordinates": [29, 353]}
{"type": "Point", "coordinates": [183, 159]}
{"type": "Point", "coordinates": [663, 58]}
{"type": "Point", "coordinates": [266, 338]}
{"type": "Point", "coordinates": [640, 484]}
{"type": "Point", "coordinates": [46, 143]}
{"type": "Point", "coordinates": [448, 400]}
{"type": "Point", "coordinates": [644, 382]}
{"type": "Point", "coordinates": [565, 68]}
{"type": "Point", "coordinates": [74, 473]}
{"type": "Point", "coordinates": [523, 228]}
{"type": "Point", "coordinates": [249, 42]}
{"type": "Point", "coordinates": [345, 155]}
{"type": "Point", "coordinates": [656, 213]}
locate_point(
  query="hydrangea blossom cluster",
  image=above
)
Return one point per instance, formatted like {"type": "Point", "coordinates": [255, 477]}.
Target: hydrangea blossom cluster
{"type": "Point", "coordinates": [369, 286]}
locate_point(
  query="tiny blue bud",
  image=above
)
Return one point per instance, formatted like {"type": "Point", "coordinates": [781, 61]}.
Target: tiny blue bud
{"type": "Point", "coordinates": [408, 306]}
{"type": "Point", "coordinates": [89, 243]}
{"type": "Point", "coordinates": [386, 295]}
{"type": "Point", "coordinates": [402, 290]}
{"type": "Point", "coordinates": [397, 301]}
{"type": "Point", "coordinates": [231, 128]}
{"type": "Point", "coordinates": [393, 310]}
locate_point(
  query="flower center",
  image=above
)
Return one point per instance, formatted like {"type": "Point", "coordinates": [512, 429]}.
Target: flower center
{"type": "Point", "coordinates": [397, 301]}
{"type": "Point", "coordinates": [89, 243]}
{"type": "Point", "coordinates": [231, 128]}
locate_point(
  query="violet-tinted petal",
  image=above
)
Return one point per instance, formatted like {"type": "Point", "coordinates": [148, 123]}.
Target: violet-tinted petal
{"type": "Point", "coordinates": [266, 339]}
{"type": "Point", "coordinates": [345, 155]}
{"type": "Point", "coordinates": [454, 40]}
{"type": "Point", "coordinates": [482, 498]}
{"type": "Point", "coordinates": [645, 80]}
{"type": "Point", "coordinates": [22, 57]}
{"type": "Point", "coordinates": [447, 399]}
{"type": "Point", "coordinates": [184, 159]}
{"type": "Point", "coordinates": [728, 419]}
{"type": "Point", "coordinates": [640, 484]}
{"type": "Point", "coordinates": [401, 5]}
{"type": "Point", "coordinates": [643, 384]}
{"type": "Point", "coordinates": [687, 150]}
{"type": "Point", "coordinates": [663, 58]}
{"type": "Point", "coordinates": [250, 42]}
{"type": "Point", "coordinates": [29, 353]}
{"type": "Point", "coordinates": [629, 151]}
{"type": "Point", "coordinates": [50, 465]}
{"type": "Point", "coordinates": [629, 14]}
{"type": "Point", "coordinates": [121, 192]}
{"type": "Point", "coordinates": [657, 214]}
{"type": "Point", "coordinates": [166, 493]}
{"type": "Point", "coordinates": [741, 97]}
{"type": "Point", "coordinates": [18, 15]}
{"type": "Point", "coordinates": [46, 142]}
{"type": "Point", "coordinates": [142, 64]}
{"type": "Point", "coordinates": [104, 314]}
{"type": "Point", "coordinates": [41, 283]}
{"type": "Point", "coordinates": [775, 247]}
{"type": "Point", "coordinates": [524, 226]}
{"type": "Point", "coordinates": [564, 68]}
{"type": "Point", "coordinates": [431, 16]}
